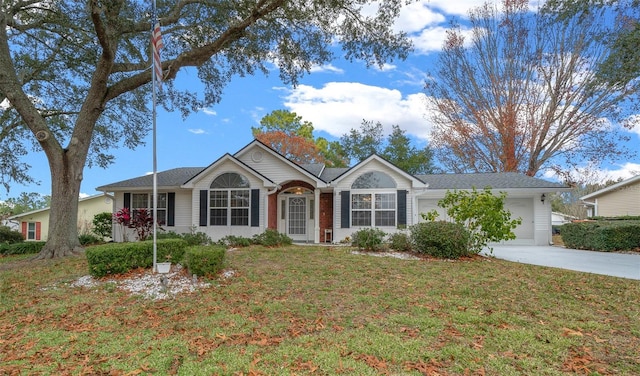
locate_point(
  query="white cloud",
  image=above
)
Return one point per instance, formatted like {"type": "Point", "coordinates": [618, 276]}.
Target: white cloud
{"type": "Point", "coordinates": [208, 111]}
{"type": "Point", "coordinates": [432, 39]}
{"type": "Point", "coordinates": [626, 171]}
{"type": "Point", "coordinates": [416, 16]}
{"type": "Point", "coordinates": [338, 107]}
{"type": "Point", "coordinates": [455, 7]}
{"type": "Point", "coordinates": [386, 67]}
{"type": "Point", "coordinates": [197, 131]}
{"type": "Point", "coordinates": [326, 68]}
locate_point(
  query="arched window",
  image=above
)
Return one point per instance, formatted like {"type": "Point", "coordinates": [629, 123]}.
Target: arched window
{"type": "Point", "coordinates": [229, 200]}
{"type": "Point", "coordinates": [373, 200]}
{"type": "Point", "coordinates": [372, 180]}
{"type": "Point", "coordinates": [230, 180]}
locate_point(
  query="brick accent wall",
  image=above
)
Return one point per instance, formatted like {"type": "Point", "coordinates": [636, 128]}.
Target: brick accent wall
{"type": "Point", "coordinates": [272, 220]}
{"type": "Point", "coordinates": [326, 215]}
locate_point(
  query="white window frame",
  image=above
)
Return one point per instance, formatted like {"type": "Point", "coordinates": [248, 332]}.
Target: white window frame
{"type": "Point", "coordinates": [364, 215]}
{"type": "Point", "coordinates": [143, 201]}
{"type": "Point", "coordinates": [32, 231]}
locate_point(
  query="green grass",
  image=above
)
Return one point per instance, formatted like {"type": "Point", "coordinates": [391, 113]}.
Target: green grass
{"type": "Point", "coordinates": [324, 311]}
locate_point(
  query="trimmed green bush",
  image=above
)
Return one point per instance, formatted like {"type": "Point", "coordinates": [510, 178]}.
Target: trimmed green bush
{"type": "Point", "coordinates": [602, 235]}
{"type": "Point", "coordinates": [272, 238]}
{"type": "Point", "coordinates": [197, 238]}
{"type": "Point", "coordinates": [400, 241]}
{"type": "Point", "coordinates": [10, 236]}
{"type": "Point", "coordinates": [204, 261]}
{"type": "Point", "coordinates": [234, 241]}
{"type": "Point", "coordinates": [23, 248]}
{"type": "Point", "coordinates": [103, 224]}
{"type": "Point", "coordinates": [368, 239]}
{"type": "Point", "coordinates": [441, 239]}
{"type": "Point", "coordinates": [118, 258]}
{"type": "Point", "coordinates": [86, 239]}
{"type": "Point", "coordinates": [167, 235]}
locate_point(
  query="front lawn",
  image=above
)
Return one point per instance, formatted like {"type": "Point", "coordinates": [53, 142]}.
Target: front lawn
{"type": "Point", "coordinates": [324, 311]}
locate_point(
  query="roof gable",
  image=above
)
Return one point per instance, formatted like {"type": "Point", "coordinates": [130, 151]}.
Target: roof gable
{"type": "Point", "coordinates": [311, 171]}
{"type": "Point", "coordinates": [415, 182]}
{"type": "Point", "coordinates": [630, 181]}
{"type": "Point", "coordinates": [226, 158]}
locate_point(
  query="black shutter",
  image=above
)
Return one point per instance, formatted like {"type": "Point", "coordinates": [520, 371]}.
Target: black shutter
{"type": "Point", "coordinates": [204, 197]}
{"type": "Point", "coordinates": [127, 200]}
{"type": "Point", "coordinates": [345, 209]}
{"type": "Point", "coordinates": [402, 208]}
{"type": "Point", "coordinates": [171, 209]}
{"type": "Point", "coordinates": [255, 207]}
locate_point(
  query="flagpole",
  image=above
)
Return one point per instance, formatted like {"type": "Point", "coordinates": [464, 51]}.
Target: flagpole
{"type": "Point", "coordinates": [155, 159]}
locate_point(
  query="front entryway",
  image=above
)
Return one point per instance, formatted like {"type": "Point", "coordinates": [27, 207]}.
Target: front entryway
{"type": "Point", "coordinates": [296, 214]}
{"type": "Point", "coordinates": [297, 218]}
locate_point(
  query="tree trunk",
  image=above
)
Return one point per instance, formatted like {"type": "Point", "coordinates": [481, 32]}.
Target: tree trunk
{"type": "Point", "coordinates": [66, 176]}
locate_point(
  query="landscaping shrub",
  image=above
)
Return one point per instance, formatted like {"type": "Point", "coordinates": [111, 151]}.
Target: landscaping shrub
{"type": "Point", "coordinates": [234, 241]}
{"type": "Point", "coordinates": [272, 238]}
{"type": "Point", "coordinates": [103, 224]}
{"type": "Point", "coordinates": [196, 238]}
{"type": "Point", "coordinates": [440, 239]}
{"type": "Point", "coordinates": [602, 235]}
{"type": "Point", "coordinates": [10, 236]}
{"type": "Point", "coordinates": [87, 239]}
{"type": "Point", "coordinates": [205, 261]}
{"type": "Point", "coordinates": [118, 258]}
{"type": "Point", "coordinates": [22, 248]}
{"type": "Point", "coordinates": [368, 239]}
{"type": "Point", "coordinates": [400, 241]}
{"type": "Point", "coordinates": [167, 235]}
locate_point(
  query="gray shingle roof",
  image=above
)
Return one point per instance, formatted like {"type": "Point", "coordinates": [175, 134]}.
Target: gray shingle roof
{"type": "Point", "coordinates": [315, 168]}
{"type": "Point", "coordinates": [331, 173]}
{"type": "Point", "coordinates": [169, 178]}
{"type": "Point", "coordinates": [499, 180]}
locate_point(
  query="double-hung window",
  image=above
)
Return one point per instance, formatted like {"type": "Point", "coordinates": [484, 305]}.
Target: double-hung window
{"type": "Point", "coordinates": [229, 200]}
{"type": "Point", "coordinates": [144, 201]}
{"type": "Point", "coordinates": [31, 231]}
{"type": "Point", "coordinates": [373, 200]}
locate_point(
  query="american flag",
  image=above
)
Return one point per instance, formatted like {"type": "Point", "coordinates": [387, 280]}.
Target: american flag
{"type": "Point", "coordinates": [156, 45]}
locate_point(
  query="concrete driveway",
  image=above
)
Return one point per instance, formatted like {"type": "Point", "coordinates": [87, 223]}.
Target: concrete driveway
{"type": "Point", "coordinates": [606, 263]}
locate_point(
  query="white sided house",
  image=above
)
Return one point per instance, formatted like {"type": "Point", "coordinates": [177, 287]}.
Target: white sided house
{"type": "Point", "coordinates": [257, 188]}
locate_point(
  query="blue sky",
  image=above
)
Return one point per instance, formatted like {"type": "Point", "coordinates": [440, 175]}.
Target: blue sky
{"type": "Point", "coordinates": [335, 98]}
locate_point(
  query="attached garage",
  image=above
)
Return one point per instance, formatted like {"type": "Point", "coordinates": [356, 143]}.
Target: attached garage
{"type": "Point", "coordinates": [526, 198]}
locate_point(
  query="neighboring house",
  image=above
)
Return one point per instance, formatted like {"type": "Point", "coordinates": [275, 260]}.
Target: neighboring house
{"type": "Point", "coordinates": [34, 225]}
{"type": "Point", "coordinates": [257, 188]}
{"type": "Point", "coordinates": [620, 199]}
{"type": "Point", "coordinates": [559, 219]}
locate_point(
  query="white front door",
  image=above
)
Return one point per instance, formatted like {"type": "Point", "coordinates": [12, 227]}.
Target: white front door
{"type": "Point", "coordinates": [297, 218]}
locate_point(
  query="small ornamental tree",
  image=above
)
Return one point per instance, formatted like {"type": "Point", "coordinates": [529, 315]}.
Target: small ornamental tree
{"type": "Point", "coordinates": [141, 221]}
{"type": "Point", "coordinates": [482, 213]}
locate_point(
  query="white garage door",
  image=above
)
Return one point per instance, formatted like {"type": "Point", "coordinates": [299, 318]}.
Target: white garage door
{"type": "Point", "coordinates": [519, 208]}
{"type": "Point", "coordinates": [522, 208]}
{"type": "Point", "coordinates": [427, 205]}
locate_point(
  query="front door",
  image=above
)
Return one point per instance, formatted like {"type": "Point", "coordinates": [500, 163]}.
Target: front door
{"type": "Point", "coordinates": [297, 218]}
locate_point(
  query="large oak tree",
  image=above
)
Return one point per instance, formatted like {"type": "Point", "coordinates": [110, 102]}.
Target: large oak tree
{"type": "Point", "coordinates": [75, 75]}
{"type": "Point", "coordinates": [523, 93]}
